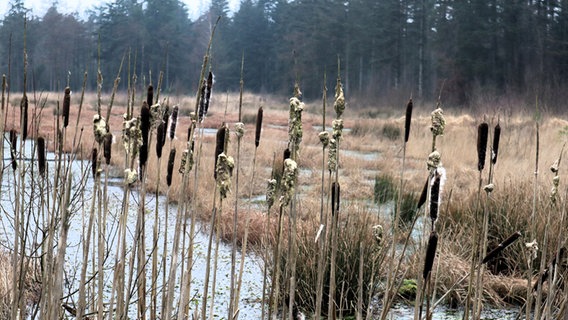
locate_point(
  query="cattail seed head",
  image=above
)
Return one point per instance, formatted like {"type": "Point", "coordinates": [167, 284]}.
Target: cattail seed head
{"type": "Point", "coordinates": [430, 254]}
{"type": "Point", "coordinates": [145, 120]}
{"type": "Point", "coordinates": [337, 126]}
{"type": "Point", "coordinates": [271, 192]}
{"type": "Point", "coordinates": [150, 95]}
{"type": "Point", "coordinates": [435, 197]}
{"type": "Point", "coordinates": [434, 159]}
{"type": "Point", "coordinates": [239, 129]}
{"type": "Point", "coordinates": [335, 196]}
{"type": "Point", "coordinates": [13, 143]}
{"type": "Point", "coordinates": [171, 160]}
{"type": "Point", "coordinates": [482, 136]}
{"type": "Point", "coordinates": [288, 182]}
{"type": "Point", "coordinates": [130, 177]}
{"type": "Point", "coordinates": [407, 120]}
{"type": "Point", "coordinates": [107, 147]}
{"type": "Point", "coordinates": [332, 164]}
{"type": "Point", "coordinates": [160, 139]}
{"type": "Point", "coordinates": [324, 138]}
{"type": "Point", "coordinates": [131, 136]}
{"type": "Point", "coordinates": [423, 195]}
{"type": "Point", "coordinates": [24, 116]}
{"type": "Point", "coordinates": [502, 246]}
{"type": "Point", "coordinates": [94, 162]}
{"type": "Point", "coordinates": [223, 173]}
{"type": "Point", "coordinates": [438, 122]}
{"type": "Point", "coordinates": [66, 106]}
{"type": "Point", "coordinates": [495, 147]}
{"type": "Point", "coordinates": [205, 97]}
{"type": "Point", "coordinates": [295, 132]}
{"type": "Point", "coordinates": [173, 122]}
{"type": "Point", "coordinates": [258, 127]}
{"type": "Point", "coordinates": [100, 128]}
{"type": "Point", "coordinates": [41, 155]}
{"type": "Point", "coordinates": [339, 104]}
{"type": "Point", "coordinates": [220, 144]}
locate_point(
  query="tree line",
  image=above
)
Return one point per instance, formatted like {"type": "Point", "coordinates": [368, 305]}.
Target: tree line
{"type": "Point", "coordinates": [421, 47]}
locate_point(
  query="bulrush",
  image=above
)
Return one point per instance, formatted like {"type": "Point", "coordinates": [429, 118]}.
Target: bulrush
{"type": "Point", "coordinates": [150, 95]}
{"type": "Point", "coordinates": [94, 162]}
{"type": "Point", "coordinates": [41, 156]}
{"type": "Point", "coordinates": [223, 173]}
{"type": "Point", "coordinates": [482, 134]}
{"type": "Point", "coordinates": [13, 143]}
{"type": "Point", "coordinates": [407, 120]}
{"type": "Point", "coordinates": [430, 254]}
{"type": "Point", "coordinates": [66, 106]}
{"type": "Point", "coordinates": [258, 129]}
{"type": "Point", "coordinates": [205, 97]}
{"type": "Point", "coordinates": [423, 195]}
{"type": "Point", "coordinates": [495, 146]}
{"type": "Point", "coordinates": [161, 139]}
{"type": "Point", "coordinates": [24, 116]}
{"type": "Point", "coordinates": [107, 147]}
{"type": "Point", "coordinates": [100, 128]}
{"type": "Point", "coordinates": [435, 198]}
{"type": "Point", "coordinates": [220, 144]}
{"type": "Point", "coordinates": [502, 246]}
{"type": "Point", "coordinates": [335, 197]}
{"type": "Point", "coordinates": [145, 119]}
{"type": "Point", "coordinates": [173, 122]}
{"type": "Point", "coordinates": [288, 182]}
{"type": "Point", "coordinates": [171, 160]}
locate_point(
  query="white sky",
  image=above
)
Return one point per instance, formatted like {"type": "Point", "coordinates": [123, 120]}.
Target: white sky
{"type": "Point", "coordinates": [39, 7]}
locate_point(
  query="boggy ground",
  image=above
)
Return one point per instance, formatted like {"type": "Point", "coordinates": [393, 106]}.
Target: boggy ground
{"type": "Point", "coordinates": [371, 147]}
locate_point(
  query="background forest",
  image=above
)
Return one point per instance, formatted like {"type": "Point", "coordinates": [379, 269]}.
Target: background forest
{"type": "Point", "coordinates": [471, 49]}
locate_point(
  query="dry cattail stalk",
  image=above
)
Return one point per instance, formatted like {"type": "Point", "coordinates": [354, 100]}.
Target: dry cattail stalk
{"type": "Point", "coordinates": [66, 106]}
{"type": "Point", "coordinates": [288, 182]}
{"type": "Point", "coordinates": [24, 116]}
{"type": "Point", "coordinates": [542, 279]}
{"type": "Point", "coordinates": [259, 115]}
{"type": "Point", "coordinates": [502, 246]}
{"type": "Point", "coordinates": [430, 254]}
{"type": "Point", "coordinates": [41, 155]}
{"type": "Point", "coordinates": [100, 128]}
{"type": "Point", "coordinates": [171, 160]}
{"type": "Point", "coordinates": [94, 162]}
{"type": "Point", "coordinates": [107, 147]}
{"type": "Point", "coordinates": [335, 197]}
{"type": "Point", "coordinates": [482, 136]}
{"type": "Point", "coordinates": [407, 120]}
{"type": "Point", "coordinates": [495, 146]}
{"type": "Point", "coordinates": [13, 143]}
{"type": "Point", "coordinates": [161, 139]}
{"type": "Point", "coordinates": [173, 122]}
{"type": "Point", "coordinates": [435, 198]}
{"type": "Point", "coordinates": [150, 95]}
{"type": "Point", "coordinates": [220, 144]}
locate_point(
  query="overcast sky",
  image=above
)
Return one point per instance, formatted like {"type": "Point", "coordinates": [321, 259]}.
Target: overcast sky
{"type": "Point", "coordinates": [39, 7]}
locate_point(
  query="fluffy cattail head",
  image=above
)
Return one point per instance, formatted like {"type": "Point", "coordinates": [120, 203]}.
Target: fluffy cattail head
{"type": "Point", "coordinates": [408, 118]}
{"type": "Point", "coordinates": [258, 127]}
{"type": "Point", "coordinates": [438, 122]}
{"type": "Point", "coordinates": [502, 246]}
{"type": "Point", "coordinates": [161, 139]}
{"type": "Point", "coordinates": [173, 122]}
{"type": "Point", "coordinates": [13, 143]}
{"type": "Point", "coordinates": [335, 196]}
{"type": "Point", "coordinates": [171, 160]}
{"type": "Point", "coordinates": [495, 146]}
{"type": "Point", "coordinates": [41, 155]}
{"type": "Point", "coordinates": [24, 116]}
{"type": "Point", "coordinates": [107, 147]}
{"type": "Point", "coordinates": [482, 135]}
{"type": "Point", "coordinates": [150, 95]}
{"type": "Point", "coordinates": [430, 254]}
{"type": "Point", "coordinates": [94, 162]}
{"type": "Point", "coordinates": [66, 106]}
